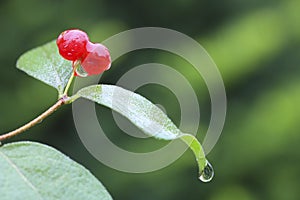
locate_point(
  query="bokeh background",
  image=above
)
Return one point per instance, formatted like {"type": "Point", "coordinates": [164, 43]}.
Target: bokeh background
{"type": "Point", "coordinates": [256, 46]}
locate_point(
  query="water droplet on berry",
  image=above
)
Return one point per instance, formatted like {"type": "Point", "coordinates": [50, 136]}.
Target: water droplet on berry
{"type": "Point", "coordinates": [79, 71]}
{"type": "Point", "coordinates": [207, 174]}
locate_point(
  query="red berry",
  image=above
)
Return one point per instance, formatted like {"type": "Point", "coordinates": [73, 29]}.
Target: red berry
{"type": "Point", "coordinates": [72, 44]}
{"type": "Point", "coordinates": [96, 60]}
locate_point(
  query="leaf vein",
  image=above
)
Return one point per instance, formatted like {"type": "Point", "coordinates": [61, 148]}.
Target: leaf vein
{"type": "Point", "coordinates": [14, 166]}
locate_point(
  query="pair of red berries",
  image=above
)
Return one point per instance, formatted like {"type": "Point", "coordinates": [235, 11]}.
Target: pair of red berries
{"type": "Point", "coordinates": [88, 58]}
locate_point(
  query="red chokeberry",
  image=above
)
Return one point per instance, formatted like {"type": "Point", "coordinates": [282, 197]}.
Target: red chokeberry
{"type": "Point", "coordinates": [96, 60]}
{"type": "Point", "coordinates": [72, 44]}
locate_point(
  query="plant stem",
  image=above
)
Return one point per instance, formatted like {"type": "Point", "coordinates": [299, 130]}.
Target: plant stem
{"type": "Point", "coordinates": [35, 121]}
{"type": "Point", "coordinates": [69, 84]}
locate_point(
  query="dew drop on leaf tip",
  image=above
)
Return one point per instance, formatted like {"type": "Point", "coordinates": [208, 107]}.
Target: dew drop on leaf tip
{"type": "Point", "coordinates": [207, 174]}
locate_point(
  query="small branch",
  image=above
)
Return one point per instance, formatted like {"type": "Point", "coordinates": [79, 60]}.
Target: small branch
{"type": "Point", "coordinates": [35, 121]}
{"type": "Point", "coordinates": [69, 84]}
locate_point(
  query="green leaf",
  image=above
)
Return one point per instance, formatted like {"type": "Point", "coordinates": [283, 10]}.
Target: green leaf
{"type": "Point", "coordinates": [141, 112]}
{"type": "Point", "coordinates": [45, 64]}
{"type": "Point", "coordinates": [30, 170]}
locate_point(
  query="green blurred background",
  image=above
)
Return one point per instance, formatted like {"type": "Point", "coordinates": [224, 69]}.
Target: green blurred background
{"type": "Point", "coordinates": [255, 44]}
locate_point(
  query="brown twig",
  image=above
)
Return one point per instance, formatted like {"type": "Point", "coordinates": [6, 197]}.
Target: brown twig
{"type": "Point", "coordinates": [35, 121]}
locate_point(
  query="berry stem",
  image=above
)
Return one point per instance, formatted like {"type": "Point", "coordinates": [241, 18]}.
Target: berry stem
{"type": "Point", "coordinates": [69, 84]}
{"type": "Point", "coordinates": [35, 121]}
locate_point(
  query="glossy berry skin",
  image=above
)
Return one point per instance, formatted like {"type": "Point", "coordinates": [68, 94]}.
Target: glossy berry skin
{"type": "Point", "coordinates": [72, 44]}
{"type": "Point", "coordinates": [96, 60]}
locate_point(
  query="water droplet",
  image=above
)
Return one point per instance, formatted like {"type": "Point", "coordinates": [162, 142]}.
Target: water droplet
{"type": "Point", "coordinates": [207, 174]}
{"type": "Point", "coordinates": [40, 121]}
{"type": "Point", "coordinates": [79, 69]}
